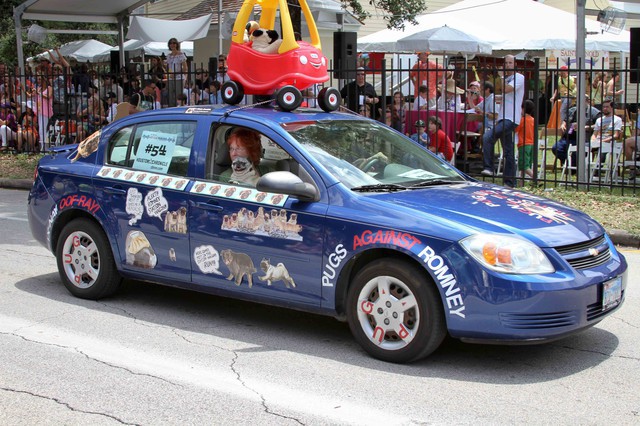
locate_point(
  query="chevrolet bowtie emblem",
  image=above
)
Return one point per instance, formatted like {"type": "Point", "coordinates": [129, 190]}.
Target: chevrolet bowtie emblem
{"type": "Point", "coordinates": [594, 252]}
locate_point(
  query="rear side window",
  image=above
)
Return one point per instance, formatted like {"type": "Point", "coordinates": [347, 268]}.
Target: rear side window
{"type": "Point", "coordinates": [158, 147]}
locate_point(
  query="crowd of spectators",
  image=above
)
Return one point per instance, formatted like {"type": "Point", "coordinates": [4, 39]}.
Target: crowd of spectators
{"type": "Point", "coordinates": [55, 94]}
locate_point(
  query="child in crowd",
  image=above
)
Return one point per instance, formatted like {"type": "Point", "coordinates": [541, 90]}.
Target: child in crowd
{"type": "Point", "coordinates": [440, 142]}
{"type": "Point", "coordinates": [420, 135]}
{"type": "Point", "coordinates": [525, 139]}
{"type": "Point", "coordinates": [112, 106]}
{"type": "Point", "coordinates": [422, 100]}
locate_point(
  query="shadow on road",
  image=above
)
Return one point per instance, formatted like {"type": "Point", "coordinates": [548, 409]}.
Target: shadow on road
{"type": "Point", "coordinates": [275, 329]}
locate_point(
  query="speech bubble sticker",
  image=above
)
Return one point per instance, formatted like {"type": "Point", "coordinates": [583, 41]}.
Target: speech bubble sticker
{"type": "Point", "coordinates": [134, 205]}
{"type": "Point", "coordinates": [208, 259]}
{"type": "Point", "coordinates": [155, 203]}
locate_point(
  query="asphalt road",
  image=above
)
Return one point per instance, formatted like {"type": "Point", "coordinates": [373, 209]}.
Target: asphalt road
{"type": "Point", "coordinates": [154, 355]}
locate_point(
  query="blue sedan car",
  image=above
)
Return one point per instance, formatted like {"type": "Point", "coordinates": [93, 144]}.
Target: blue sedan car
{"type": "Point", "coordinates": [340, 216]}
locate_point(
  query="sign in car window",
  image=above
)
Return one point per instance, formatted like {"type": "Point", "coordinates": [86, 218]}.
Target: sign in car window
{"type": "Point", "coordinates": [155, 151]}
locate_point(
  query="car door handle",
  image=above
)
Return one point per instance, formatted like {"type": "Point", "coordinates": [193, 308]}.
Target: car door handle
{"type": "Point", "coordinates": [115, 190]}
{"type": "Point", "coordinates": [209, 206]}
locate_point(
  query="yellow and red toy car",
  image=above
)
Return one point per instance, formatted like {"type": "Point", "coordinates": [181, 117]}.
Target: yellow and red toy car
{"type": "Point", "coordinates": [297, 65]}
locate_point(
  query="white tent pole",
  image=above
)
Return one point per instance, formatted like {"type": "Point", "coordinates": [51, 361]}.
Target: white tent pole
{"type": "Point", "coordinates": [582, 116]}
{"type": "Point", "coordinates": [120, 41]}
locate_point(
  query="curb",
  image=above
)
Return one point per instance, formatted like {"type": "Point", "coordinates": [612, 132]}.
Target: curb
{"type": "Point", "coordinates": [618, 236]}
{"type": "Point", "coordinates": [16, 183]}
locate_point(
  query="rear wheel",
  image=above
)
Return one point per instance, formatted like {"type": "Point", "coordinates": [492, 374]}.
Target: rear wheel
{"type": "Point", "coordinates": [395, 312]}
{"type": "Point", "coordinates": [85, 261]}
{"type": "Point", "coordinates": [288, 98]}
{"type": "Point", "coordinates": [329, 99]}
{"type": "Point", "coordinates": [232, 92]}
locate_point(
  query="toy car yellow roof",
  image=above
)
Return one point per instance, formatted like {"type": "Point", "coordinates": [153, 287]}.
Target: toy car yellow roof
{"type": "Point", "coordinates": [268, 18]}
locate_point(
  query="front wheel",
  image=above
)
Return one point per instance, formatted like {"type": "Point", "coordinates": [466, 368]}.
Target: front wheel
{"type": "Point", "coordinates": [395, 312]}
{"type": "Point", "coordinates": [288, 98]}
{"type": "Point", "coordinates": [85, 261]}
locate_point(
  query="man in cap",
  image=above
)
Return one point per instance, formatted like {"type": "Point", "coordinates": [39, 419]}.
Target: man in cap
{"type": "Point", "coordinates": [427, 73]}
{"type": "Point", "coordinates": [359, 93]}
{"type": "Point", "coordinates": [570, 132]}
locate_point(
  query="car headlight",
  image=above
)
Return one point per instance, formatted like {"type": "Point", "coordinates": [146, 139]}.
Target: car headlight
{"type": "Point", "coordinates": [508, 254]}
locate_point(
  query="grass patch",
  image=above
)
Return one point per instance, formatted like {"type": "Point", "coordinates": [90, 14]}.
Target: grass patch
{"type": "Point", "coordinates": [18, 166]}
{"type": "Point", "coordinates": [612, 211]}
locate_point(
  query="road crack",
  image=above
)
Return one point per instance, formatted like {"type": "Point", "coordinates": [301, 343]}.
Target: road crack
{"type": "Point", "coordinates": [67, 405]}
{"type": "Point", "coordinates": [263, 400]}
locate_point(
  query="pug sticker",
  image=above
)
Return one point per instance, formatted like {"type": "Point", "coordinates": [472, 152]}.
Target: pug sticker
{"type": "Point", "coordinates": [139, 250]}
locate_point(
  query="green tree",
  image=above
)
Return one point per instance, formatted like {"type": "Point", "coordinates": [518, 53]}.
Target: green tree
{"type": "Point", "coordinates": [8, 41]}
{"type": "Point", "coordinates": [396, 12]}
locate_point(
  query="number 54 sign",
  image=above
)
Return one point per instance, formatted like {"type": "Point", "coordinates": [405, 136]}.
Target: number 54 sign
{"type": "Point", "coordinates": [155, 151]}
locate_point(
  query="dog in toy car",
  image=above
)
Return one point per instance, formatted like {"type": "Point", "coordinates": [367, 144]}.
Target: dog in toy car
{"type": "Point", "coordinates": [265, 41]}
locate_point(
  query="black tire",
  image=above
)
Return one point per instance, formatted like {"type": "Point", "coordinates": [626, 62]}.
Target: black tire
{"type": "Point", "coordinates": [409, 334]}
{"type": "Point", "coordinates": [329, 99]}
{"type": "Point", "coordinates": [85, 261]}
{"type": "Point", "coordinates": [288, 98]}
{"type": "Point", "coordinates": [232, 92]}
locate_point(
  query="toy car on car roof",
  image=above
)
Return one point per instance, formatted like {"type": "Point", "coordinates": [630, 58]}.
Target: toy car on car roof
{"type": "Point", "coordinates": [296, 66]}
{"type": "Point", "coordinates": [348, 218]}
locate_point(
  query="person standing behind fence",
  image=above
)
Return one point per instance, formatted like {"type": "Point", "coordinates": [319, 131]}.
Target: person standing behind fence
{"type": "Point", "coordinates": [611, 92]}
{"type": "Point", "coordinates": [525, 140]}
{"type": "Point", "coordinates": [426, 73]}
{"type": "Point", "coordinates": [44, 108]}
{"type": "Point", "coordinates": [509, 99]}
{"type": "Point", "coordinates": [597, 90]}
{"type": "Point", "coordinates": [565, 94]}
{"type": "Point", "coordinates": [176, 68]}
{"type": "Point", "coordinates": [398, 112]}
{"type": "Point", "coordinates": [359, 93]}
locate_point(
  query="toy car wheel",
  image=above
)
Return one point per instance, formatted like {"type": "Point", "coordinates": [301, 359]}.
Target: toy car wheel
{"type": "Point", "coordinates": [232, 92]}
{"type": "Point", "coordinates": [288, 98]}
{"type": "Point", "coordinates": [395, 311]}
{"type": "Point", "coordinates": [85, 261]}
{"type": "Point", "coordinates": [329, 99]}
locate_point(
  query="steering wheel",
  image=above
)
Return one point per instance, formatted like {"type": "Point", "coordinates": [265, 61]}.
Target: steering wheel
{"type": "Point", "coordinates": [375, 164]}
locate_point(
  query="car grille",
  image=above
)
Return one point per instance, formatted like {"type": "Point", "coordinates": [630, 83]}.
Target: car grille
{"type": "Point", "coordinates": [586, 255]}
{"type": "Point", "coordinates": [536, 321]}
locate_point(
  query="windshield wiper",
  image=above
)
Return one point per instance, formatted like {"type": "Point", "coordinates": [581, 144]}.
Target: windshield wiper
{"type": "Point", "coordinates": [436, 182]}
{"type": "Point", "coordinates": [380, 187]}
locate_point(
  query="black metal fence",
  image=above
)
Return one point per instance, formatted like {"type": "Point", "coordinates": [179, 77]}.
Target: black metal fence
{"type": "Point", "coordinates": [52, 105]}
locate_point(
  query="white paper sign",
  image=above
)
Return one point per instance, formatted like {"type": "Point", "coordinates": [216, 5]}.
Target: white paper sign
{"type": "Point", "coordinates": [155, 151]}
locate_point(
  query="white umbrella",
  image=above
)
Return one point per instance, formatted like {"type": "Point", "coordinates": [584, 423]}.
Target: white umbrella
{"type": "Point", "coordinates": [443, 39]}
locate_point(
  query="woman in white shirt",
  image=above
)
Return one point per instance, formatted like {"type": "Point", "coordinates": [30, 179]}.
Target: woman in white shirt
{"type": "Point", "coordinates": [176, 70]}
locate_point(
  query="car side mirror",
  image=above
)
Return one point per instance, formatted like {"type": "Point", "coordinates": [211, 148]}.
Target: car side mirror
{"type": "Point", "coordinates": [287, 183]}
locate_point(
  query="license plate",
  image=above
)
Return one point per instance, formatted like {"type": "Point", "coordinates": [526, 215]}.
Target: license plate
{"type": "Point", "coordinates": [611, 293]}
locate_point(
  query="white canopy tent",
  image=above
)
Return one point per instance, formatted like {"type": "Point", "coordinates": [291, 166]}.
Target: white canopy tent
{"type": "Point", "coordinates": [81, 50]}
{"type": "Point", "coordinates": [140, 48]}
{"type": "Point", "coordinates": [512, 25]}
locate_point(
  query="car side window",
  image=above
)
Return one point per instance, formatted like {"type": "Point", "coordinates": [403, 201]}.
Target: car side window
{"type": "Point", "coordinates": [157, 147]}
{"type": "Point", "coordinates": [241, 155]}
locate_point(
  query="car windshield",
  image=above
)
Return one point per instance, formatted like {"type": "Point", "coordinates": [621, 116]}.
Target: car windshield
{"type": "Point", "coordinates": [367, 154]}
